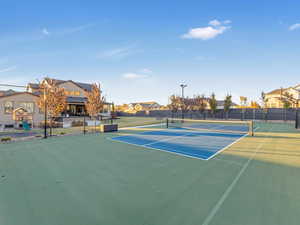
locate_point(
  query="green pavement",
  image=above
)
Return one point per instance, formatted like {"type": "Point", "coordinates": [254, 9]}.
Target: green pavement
{"type": "Point", "coordinates": [90, 180]}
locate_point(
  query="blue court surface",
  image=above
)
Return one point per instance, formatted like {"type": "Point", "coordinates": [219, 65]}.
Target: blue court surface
{"type": "Point", "coordinates": [196, 144]}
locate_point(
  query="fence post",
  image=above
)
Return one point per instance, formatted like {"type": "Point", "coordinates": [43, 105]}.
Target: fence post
{"type": "Point", "coordinates": [297, 125]}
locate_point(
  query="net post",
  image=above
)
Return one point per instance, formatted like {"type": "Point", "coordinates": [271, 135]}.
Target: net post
{"type": "Point", "coordinates": [297, 125]}
{"type": "Point", "coordinates": [251, 128]}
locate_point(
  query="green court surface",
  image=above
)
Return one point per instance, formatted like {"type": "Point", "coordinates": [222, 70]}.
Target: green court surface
{"type": "Point", "coordinates": [91, 180]}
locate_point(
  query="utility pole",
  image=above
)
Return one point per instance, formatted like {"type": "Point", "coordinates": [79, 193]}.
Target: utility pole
{"type": "Point", "coordinates": [182, 98]}
{"type": "Point", "coordinates": [45, 111]}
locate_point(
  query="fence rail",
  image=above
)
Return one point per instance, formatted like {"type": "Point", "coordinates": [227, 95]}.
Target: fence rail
{"type": "Point", "coordinates": [237, 114]}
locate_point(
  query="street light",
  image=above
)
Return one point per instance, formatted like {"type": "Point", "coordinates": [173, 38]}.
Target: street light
{"type": "Point", "coordinates": [45, 110]}
{"type": "Point", "coordinates": [182, 98]}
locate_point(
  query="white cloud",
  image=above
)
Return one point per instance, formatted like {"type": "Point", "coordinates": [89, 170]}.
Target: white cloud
{"type": "Point", "coordinates": [215, 23]}
{"type": "Point", "coordinates": [205, 33]}
{"type": "Point", "coordinates": [132, 76]}
{"type": "Point", "coordinates": [45, 31]}
{"type": "Point", "coordinates": [8, 69]}
{"type": "Point", "coordinates": [294, 26]}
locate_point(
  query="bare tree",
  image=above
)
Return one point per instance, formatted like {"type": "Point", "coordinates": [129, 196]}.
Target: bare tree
{"type": "Point", "coordinates": [174, 105]}
{"type": "Point", "coordinates": [288, 101]}
{"type": "Point", "coordinates": [193, 106]}
{"type": "Point", "coordinates": [201, 104]}
{"type": "Point", "coordinates": [227, 104]}
{"type": "Point", "coordinates": [264, 101]}
{"type": "Point", "coordinates": [213, 103]}
{"type": "Point", "coordinates": [95, 102]}
{"type": "Point", "coordinates": [52, 98]}
{"type": "Point", "coordinates": [185, 105]}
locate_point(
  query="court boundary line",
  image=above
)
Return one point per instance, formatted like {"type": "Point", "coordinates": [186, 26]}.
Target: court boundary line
{"type": "Point", "coordinates": [181, 154]}
{"type": "Point", "coordinates": [157, 149]}
{"type": "Point", "coordinates": [142, 126]}
{"type": "Point", "coordinates": [224, 196]}
{"type": "Point", "coordinates": [220, 202]}
{"type": "Point", "coordinates": [228, 146]}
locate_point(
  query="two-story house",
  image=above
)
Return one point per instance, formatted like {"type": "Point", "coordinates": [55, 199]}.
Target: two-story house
{"type": "Point", "coordinates": [11, 102]}
{"type": "Point", "coordinates": [274, 99]}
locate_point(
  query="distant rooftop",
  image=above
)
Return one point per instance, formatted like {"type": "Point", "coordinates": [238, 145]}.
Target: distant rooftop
{"type": "Point", "coordinates": [85, 86]}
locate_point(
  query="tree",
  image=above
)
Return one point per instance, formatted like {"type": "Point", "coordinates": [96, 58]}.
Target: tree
{"type": "Point", "coordinates": [227, 104]}
{"type": "Point", "coordinates": [95, 102]}
{"type": "Point", "coordinates": [213, 103]}
{"type": "Point", "coordinates": [185, 105]}
{"type": "Point", "coordinates": [174, 105]}
{"type": "Point", "coordinates": [264, 101]}
{"type": "Point", "coordinates": [53, 99]}
{"type": "Point", "coordinates": [193, 106]}
{"type": "Point", "coordinates": [288, 101]}
{"type": "Point", "coordinates": [201, 103]}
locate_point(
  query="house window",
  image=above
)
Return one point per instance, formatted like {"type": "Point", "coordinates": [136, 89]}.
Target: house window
{"type": "Point", "coordinates": [8, 107]}
{"type": "Point", "coordinates": [28, 106]}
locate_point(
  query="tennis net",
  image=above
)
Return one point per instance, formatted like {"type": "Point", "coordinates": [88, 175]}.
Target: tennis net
{"type": "Point", "coordinates": [244, 127]}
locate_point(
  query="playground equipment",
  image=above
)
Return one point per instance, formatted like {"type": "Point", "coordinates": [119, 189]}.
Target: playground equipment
{"type": "Point", "coordinates": [22, 117]}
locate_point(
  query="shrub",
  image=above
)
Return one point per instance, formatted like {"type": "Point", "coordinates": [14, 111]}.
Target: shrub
{"type": "Point", "coordinates": [55, 124]}
{"type": "Point", "coordinates": [78, 123]}
{"type": "Point", "coordinates": [62, 133]}
{"type": "Point", "coordinates": [6, 139]}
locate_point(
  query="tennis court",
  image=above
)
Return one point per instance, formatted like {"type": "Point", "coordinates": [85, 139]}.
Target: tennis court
{"type": "Point", "coordinates": [191, 138]}
{"type": "Point", "coordinates": [75, 180]}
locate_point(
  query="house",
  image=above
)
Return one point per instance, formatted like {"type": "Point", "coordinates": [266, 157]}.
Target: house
{"type": "Point", "coordinates": [139, 106]}
{"type": "Point", "coordinates": [24, 104]}
{"type": "Point", "coordinates": [274, 99]}
{"type": "Point", "coordinates": [12, 103]}
{"type": "Point", "coordinates": [76, 96]}
{"type": "Point", "coordinates": [221, 103]}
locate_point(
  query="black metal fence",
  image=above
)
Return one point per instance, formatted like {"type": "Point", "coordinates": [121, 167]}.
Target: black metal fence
{"type": "Point", "coordinates": [236, 114]}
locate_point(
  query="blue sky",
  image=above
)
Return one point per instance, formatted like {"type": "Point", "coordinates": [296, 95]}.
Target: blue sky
{"type": "Point", "coordinates": [142, 50]}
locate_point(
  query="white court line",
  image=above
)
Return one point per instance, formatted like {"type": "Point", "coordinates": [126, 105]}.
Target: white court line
{"type": "Point", "coordinates": [176, 137]}
{"type": "Point", "coordinates": [230, 188]}
{"type": "Point", "coordinates": [167, 139]}
{"type": "Point", "coordinates": [143, 126]}
{"type": "Point", "coordinates": [162, 150]}
{"type": "Point", "coordinates": [223, 149]}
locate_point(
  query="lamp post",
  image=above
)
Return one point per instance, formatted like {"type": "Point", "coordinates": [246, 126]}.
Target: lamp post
{"type": "Point", "coordinates": [45, 110]}
{"type": "Point", "coordinates": [182, 98]}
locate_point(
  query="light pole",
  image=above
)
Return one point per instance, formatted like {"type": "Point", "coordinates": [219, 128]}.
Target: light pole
{"type": "Point", "coordinates": [182, 99]}
{"type": "Point", "coordinates": [45, 111]}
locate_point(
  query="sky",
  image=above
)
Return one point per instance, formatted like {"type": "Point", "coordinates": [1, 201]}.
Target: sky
{"type": "Point", "coordinates": [142, 50]}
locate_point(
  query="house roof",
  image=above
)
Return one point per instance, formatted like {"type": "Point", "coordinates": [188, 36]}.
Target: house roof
{"type": "Point", "coordinates": [276, 91]}
{"type": "Point", "coordinates": [222, 103]}
{"type": "Point", "coordinates": [18, 93]}
{"type": "Point", "coordinates": [84, 86]}
{"type": "Point", "coordinates": [146, 104]}
{"type": "Point", "coordinates": [7, 92]}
